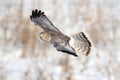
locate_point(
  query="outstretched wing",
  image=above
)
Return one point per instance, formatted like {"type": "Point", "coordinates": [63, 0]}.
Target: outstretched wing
{"type": "Point", "coordinates": [40, 19]}
{"type": "Point", "coordinates": [81, 43]}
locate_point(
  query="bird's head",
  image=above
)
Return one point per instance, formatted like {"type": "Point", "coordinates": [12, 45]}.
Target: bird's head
{"type": "Point", "coordinates": [42, 35]}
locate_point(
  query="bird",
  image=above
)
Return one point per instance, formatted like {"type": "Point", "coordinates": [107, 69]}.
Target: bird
{"type": "Point", "coordinates": [60, 41]}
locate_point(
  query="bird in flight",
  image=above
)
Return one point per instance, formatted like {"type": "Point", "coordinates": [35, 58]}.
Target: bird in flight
{"type": "Point", "coordinates": [50, 34]}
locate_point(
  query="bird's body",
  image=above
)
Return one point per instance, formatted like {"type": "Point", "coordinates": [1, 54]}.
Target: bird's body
{"type": "Point", "coordinates": [61, 42]}
{"type": "Point", "coordinates": [54, 36]}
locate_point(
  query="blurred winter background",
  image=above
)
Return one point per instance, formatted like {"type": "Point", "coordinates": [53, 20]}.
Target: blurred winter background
{"type": "Point", "coordinates": [23, 56]}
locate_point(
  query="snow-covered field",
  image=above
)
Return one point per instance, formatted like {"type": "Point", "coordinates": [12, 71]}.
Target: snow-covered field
{"type": "Point", "coordinates": [23, 56]}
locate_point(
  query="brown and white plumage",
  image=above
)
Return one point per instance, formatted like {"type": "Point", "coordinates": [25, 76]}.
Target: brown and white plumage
{"type": "Point", "coordinates": [54, 36]}
{"type": "Point", "coordinates": [81, 43]}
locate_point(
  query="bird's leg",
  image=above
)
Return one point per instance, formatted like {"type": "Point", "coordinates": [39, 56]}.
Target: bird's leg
{"type": "Point", "coordinates": [45, 37]}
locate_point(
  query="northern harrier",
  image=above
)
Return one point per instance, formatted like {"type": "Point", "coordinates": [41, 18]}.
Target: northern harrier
{"type": "Point", "coordinates": [59, 40]}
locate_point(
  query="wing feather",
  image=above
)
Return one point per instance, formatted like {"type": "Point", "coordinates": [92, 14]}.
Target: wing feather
{"type": "Point", "coordinates": [81, 43]}
{"type": "Point", "coordinates": [40, 19]}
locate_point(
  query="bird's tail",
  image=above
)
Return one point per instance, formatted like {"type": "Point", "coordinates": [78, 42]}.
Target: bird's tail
{"type": "Point", "coordinates": [81, 43]}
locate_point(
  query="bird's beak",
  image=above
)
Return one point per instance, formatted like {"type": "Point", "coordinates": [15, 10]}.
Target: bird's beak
{"type": "Point", "coordinates": [68, 49]}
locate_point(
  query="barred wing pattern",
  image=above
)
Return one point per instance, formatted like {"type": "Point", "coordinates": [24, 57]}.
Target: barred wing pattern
{"type": "Point", "coordinates": [81, 43]}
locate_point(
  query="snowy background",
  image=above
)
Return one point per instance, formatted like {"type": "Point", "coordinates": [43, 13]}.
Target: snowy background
{"type": "Point", "coordinates": [23, 56]}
